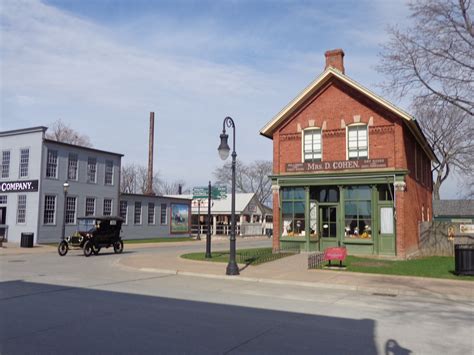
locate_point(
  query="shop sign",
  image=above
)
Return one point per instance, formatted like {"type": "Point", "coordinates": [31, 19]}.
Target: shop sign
{"type": "Point", "coordinates": [335, 253]}
{"type": "Point", "coordinates": [336, 165]}
{"type": "Point", "coordinates": [466, 228]}
{"type": "Point", "coordinates": [19, 186]}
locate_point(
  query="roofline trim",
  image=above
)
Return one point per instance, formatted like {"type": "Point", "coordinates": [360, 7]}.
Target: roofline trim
{"type": "Point", "coordinates": [81, 147]}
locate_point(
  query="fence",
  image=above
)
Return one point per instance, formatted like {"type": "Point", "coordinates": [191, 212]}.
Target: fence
{"type": "Point", "coordinates": [315, 260]}
{"type": "Point", "coordinates": [438, 238]}
{"type": "Point", "coordinates": [256, 257]}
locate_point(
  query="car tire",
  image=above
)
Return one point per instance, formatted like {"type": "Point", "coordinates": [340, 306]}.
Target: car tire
{"type": "Point", "coordinates": [96, 250]}
{"type": "Point", "coordinates": [118, 247]}
{"type": "Point", "coordinates": [87, 249]}
{"type": "Point", "coordinates": [63, 248]}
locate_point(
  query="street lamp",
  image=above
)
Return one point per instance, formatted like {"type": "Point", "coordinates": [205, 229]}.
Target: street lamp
{"type": "Point", "coordinates": [224, 150]}
{"type": "Point", "coordinates": [65, 188]}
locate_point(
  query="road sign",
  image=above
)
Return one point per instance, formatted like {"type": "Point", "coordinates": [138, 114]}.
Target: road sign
{"type": "Point", "coordinates": [219, 192]}
{"type": "Point", "coordinates": [200, 192]}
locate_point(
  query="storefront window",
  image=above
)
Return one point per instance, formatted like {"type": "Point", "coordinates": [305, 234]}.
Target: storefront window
{"type": "Point", "coordinates": [324, 194]}
{"type": "Point", "coordinates": [385, 192]}
{"type": "Point", "coordinates": [358, 212]}
{"type": "Point", "coordinates": [293, 211]}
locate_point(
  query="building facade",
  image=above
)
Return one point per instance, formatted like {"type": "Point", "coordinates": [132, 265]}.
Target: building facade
{"type": "Point", "coordinates": [33, 172]}
{"type": "Point", "coordinates": [349, 169]}
{"type": "Point", "coordinates": [147, 216]}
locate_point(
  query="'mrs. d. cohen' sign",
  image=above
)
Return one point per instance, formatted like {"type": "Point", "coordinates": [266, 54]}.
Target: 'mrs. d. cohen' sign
{"type": "Point", "coordinates": [336, 165]}
{"type": "Point", "coordinates": [19, 186]}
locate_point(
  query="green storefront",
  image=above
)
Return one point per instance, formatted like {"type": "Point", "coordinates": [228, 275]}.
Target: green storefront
{"type": "Point", "coordinates": [355, 210]}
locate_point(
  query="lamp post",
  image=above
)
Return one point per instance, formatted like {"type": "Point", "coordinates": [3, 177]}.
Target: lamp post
{"type": "Point", "coordinates": [65, 188]}
{"type": "Point", "coordinates": [224, 150]}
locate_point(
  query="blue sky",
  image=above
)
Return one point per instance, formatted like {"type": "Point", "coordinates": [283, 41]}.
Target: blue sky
{"type": "Point", "coordinates": [102, 65]}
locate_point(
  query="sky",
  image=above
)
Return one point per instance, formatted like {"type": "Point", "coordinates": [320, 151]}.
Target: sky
{"type": "Point", "coordinates": [101, 66]}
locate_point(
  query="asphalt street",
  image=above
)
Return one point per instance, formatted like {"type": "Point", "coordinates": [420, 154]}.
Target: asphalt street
{"type": "Point", "coordinates": [73, 304]}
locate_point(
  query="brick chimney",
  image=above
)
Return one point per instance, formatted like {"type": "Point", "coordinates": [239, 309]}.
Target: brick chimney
{"type": "Point", "coordinates": [335, 59]}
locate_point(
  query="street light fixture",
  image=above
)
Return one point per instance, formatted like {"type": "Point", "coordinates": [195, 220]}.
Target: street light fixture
{"type": "Point", "coordinates": [224, 150]}
{"type": "Point", "coordinates": [65, 188]}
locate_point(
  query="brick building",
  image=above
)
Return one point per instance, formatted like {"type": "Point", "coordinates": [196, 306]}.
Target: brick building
{"type": "Point", "coordinates": [349, 168]}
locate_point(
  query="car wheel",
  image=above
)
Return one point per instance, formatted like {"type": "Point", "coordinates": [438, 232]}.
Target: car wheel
{"type": "Point", "coordinates": [118, 247]}
{"type": "Point", "coordinates": [87, 248]}
{"type": "Point", "coordinates": [96, 250]}
{"type": "Point", "coordinates": [63, 248]}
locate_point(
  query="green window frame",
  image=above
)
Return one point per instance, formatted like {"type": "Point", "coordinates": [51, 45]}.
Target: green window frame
{"type": "Point", "coordinates": [358, 212]}
{"type": "Point", "coordinates": [293, 211]}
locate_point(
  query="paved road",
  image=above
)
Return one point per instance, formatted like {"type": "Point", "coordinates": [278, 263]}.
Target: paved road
{"type": "Point", "coordinates": [53, 305]}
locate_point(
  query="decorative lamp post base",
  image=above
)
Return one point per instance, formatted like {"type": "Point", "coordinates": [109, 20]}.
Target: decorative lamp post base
{"type": "Point", "coordinates": [232, 269]}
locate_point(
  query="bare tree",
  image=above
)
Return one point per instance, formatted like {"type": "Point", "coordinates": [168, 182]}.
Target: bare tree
{"type": "Point", "coordinates": [172, 187]}
{"type": "Point", "coordinates": [449, 130]}
{"type": "Point", "coordinates": [134, 178]}
{"type": "Point", "coordinates": [434, 58]}
{"type": "Point", "coordinates": [61, 132]}
{"type": "Point", "coordinates": [253, 177]}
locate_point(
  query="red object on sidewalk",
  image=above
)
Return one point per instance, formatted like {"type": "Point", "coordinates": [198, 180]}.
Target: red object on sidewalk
{"type": "Point", "coordinates": [336, 253]}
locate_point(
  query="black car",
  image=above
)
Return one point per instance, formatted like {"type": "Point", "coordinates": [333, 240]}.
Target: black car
{"type": "Point", "coordinates": [94, 233]}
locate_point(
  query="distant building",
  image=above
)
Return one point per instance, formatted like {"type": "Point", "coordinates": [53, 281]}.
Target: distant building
{"type": "Point", "coordinates": [250, 213]}
{"type": "Point", "coordinates": [461, 211]}
{"type": "Point", "coordinates": [33, 171]}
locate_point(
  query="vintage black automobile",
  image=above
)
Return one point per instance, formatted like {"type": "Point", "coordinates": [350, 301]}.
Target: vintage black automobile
{"type": "Point", "coordinates": [94, 233]}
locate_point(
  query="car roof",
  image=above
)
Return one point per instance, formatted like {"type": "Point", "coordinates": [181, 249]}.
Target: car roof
{"type": "Point", "coordinates": [103, 218]}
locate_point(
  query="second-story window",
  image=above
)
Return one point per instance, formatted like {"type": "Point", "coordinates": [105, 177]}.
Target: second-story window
{"type": "Point", "coordinates": [24, 162]}
{"type": "Point", "coordinates": [109, 172]}
{"type": "Point", "coordinates": [91, 170]}
{"type": "Point", "coordinates": [52, 164]}
{"type": "Point", "coordinates": [357, 142]}
{"type": "Point", "coordinates": [312, 145]}
{"type": "Point", "coordinates": [5, 164]}
{"type": "Point", "coordinates": [72, 167]}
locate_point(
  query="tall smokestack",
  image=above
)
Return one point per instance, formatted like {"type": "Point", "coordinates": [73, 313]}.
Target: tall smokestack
{"type": "Point", "coordinates": [149, 180]}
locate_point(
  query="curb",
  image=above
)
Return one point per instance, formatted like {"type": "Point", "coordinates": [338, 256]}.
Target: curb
{"type": "Point", "coordinates": [381, 291]}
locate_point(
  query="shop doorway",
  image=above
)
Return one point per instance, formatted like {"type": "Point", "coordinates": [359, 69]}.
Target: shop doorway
{"type": "Point", "coordinates": [3, 215]}
{"type": "Point", "coordinates": [386, 243]}
{"type": "Point", "coordinates": [328, 215]}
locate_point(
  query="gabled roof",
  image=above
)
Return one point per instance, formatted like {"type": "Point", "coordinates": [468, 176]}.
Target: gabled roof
{"type": "Point", "coordinates": [319, 82]}
{"type": "Point", "coordinates": [453, 208]}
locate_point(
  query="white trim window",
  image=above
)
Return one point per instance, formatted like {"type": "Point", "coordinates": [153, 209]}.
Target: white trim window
{"type": "Point", "coordinates": [109, 172]}
{"type": "Point", "coordinates": [124, 211]}
{"type": "Point", "coordinates": [151, 213]}
{"type": "Point", "coordinates": [90, 206]}
{"type": "Point", "coordinates": [52, 164]}
{"type": "Point", "coordinates": [107, 208]}
{"type": "Point", "coordinates": [71, 203]}
{"type": "Point", "coordinates": [3, 199]}
{"type": "Point", "coordinates": [5, 164]}
{"type": "Point", "coordinates": [21, 209]}
{"type": "Point", "coordinates": [312, 145]}
{"type": "Point", "coordinates": [49, 216]}
{"type": "Point", "coordinates": [164, 214]}
{"type": "Point", "coordinates": [91, 170]}
{"type": "Point", "coordinates": [72, 166]}
{"type": "Point", "coordinates": [137, 218]}
{"type": "Point", "coordinates": [357, 142]}
{"type": "Point", "coordinates": [24, 162]}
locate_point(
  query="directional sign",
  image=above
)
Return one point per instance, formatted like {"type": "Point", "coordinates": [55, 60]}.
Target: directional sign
{"type": "Point", "coordinates": [200, 192]}
{"type": "Point", "coordinates": [219, 192]}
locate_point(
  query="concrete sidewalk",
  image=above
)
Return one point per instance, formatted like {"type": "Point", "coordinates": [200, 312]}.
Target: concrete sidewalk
{"type": "Point", "coordinates": [293, 271]}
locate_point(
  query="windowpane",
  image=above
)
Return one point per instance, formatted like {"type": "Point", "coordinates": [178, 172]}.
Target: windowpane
{"type": "Point", "coordinates": [151, 213]}
{"type": "Point", "coordinates": [5, 164]}
{"type": "Point", "coordinates": [24, 162]}
{"type": "Point", "coordinates": [299, 193]}
{"type": "Point", "coordinates": [312, 145]}
{"type": "Point", "coordinates": [91, 170]}
{"type": "Point", "coordinates": [357, 142]}
{"type": "Point", "coordinates": [21, 210]}
{"type": "Point", "coordinates": [49, 209]}
{"type": "Point", "coordinates": [358, 212]}
{"type": "Point", "coordinates": [72, 167]}
{"type": "Point", "coordinates": [386, 220]}
{"type": "Point", "coordinates": [71, 210]}
{"type": "Point", "coordinates": [138, 213]}
{"type": "Point", "coordinates": [107, 207]}
{"type": "Point", "coordinates": [163, 215]}
{"type": "Point", "coordinates": [52, 164]}
{"type": "Point", "coordinates": [123, 210]}
{"type": "Point", "coordinates": [90, 206]}
{"type": "Point", "coordinates": [293, 211]}
{"type": "Point", "coordinates": [109, 172]}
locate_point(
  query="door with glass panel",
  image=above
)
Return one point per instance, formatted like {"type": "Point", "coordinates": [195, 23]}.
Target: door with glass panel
{"type": "Point", "coordinates": [328, 226]}
{"type": "Point", "coordinates": [386, 229]}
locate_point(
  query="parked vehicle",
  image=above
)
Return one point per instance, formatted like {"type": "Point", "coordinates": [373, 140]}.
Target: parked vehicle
{"type": "Point", "coordinates": [94, 233]}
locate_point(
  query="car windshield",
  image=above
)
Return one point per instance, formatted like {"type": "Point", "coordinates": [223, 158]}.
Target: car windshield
{"type": "Point", "coordinates": [86, 225]}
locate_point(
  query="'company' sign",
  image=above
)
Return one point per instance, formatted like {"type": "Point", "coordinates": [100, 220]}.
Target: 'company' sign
{"type": "Point", "coordinates": [19, 186]}
{"type": "Point", "coordinates": [336, 165]}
